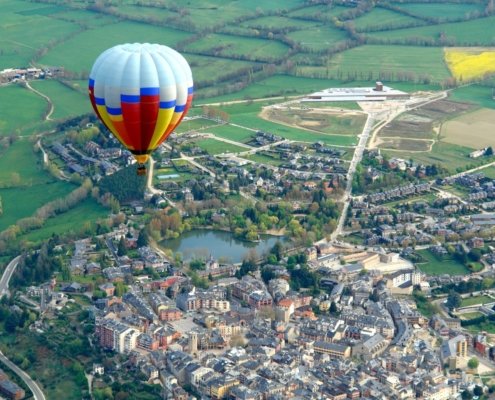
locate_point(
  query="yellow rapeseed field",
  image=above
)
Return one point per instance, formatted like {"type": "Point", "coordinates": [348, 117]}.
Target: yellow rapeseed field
{"type": "Point", "coordinates": [470, 64]}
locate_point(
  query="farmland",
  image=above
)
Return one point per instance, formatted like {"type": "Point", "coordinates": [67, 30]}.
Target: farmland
{"type": "Point", "coordinates": [27, 109]}
{"type": "Point", "coordinates": [480, 124]}
{"type": "Point", "coordinates": [67, 102]}
{"type": "Point", "coordinates": [467, 64]}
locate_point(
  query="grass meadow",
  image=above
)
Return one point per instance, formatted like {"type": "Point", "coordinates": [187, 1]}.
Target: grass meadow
{"type": "Point", "coordinates": [391, 59]}
{"type": "Point", "coordinates": [22, 202]}
{"type": "Point", "coordinates": [79, 52]}
{"type": "Point", "coordinates": [380, 17]}
{"type": "Point", "coordinates": [213, 146]}
{"type": "Point", "coordinates": [478, 32]}
{"type": "Point", "coordinates": [436, 266]}
{"type": "Point", "coordinates": [20, 108]}
{"type": "Point", "coordinates": [238, 47]}
{"type": "Point", "coordinates": [447, 155]}
{"type": "Point", "coordinates": [67, 102]}
{"type": "Point", "coordinates": [27, 165]}
{"type": "Point", "coordinates": [232, 133]}
{"type": "Point", "coordinates": [81, 217]}
{"type": "Point", "coordinates": [440, 11]}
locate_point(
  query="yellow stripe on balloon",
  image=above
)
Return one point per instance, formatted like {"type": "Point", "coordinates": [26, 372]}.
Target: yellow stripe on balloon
{"type": "Point", "coordinates": [102, 110]}
{"type": "Point", "coordinates": [116, 118]}
{"type": "Point", "coordinates": [162, 122]}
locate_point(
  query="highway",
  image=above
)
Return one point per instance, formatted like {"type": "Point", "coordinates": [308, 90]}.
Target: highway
{"type": "Point", "coordinates": [4, 288]}
{"type": "Point", "coordinates": [7, 274]}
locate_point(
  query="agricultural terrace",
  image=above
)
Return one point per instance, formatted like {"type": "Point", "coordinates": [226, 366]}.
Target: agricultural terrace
{"type": "Point", "coordinates": [467, 64]}
{"type": "Point", "coordinates": [474, 130]}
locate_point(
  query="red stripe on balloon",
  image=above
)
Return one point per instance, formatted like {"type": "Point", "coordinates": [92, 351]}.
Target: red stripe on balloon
{"type": "Point", "coordinates": [150, 105]}
{"type": "Point", "coordinates": [131, 113]}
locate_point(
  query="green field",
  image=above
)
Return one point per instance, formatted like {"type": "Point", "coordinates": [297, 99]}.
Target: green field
{"type": "Point", "coordinates": [22, 202]}
{"type": "Point", "coordinates": [209, 70]}
{"type": "Point", "coordinates": [79, 52]}
{"type": "Point", "coordinates": [264, 159]}
{"type": "Point", "coordinates": [274, 23]}
{"type": "Point", "coordinates": [27, 165]}
{"type": "Point", "coordinates": [19, 45]}
{"type": "Point", "coordinates": [379, 18]}
{"type": "Point", "coordinates": [319, 12]}
{"type": "Point", "coordinates": [471, 301]}
{"type": "Point", "coordinates": [318, 38]}
{"type": "Point", "coordinates": [391, 59]}
{"type": "Point", "coordinates": [478, 32]}
{"type": "Point", "coordinates": [238, 47]}
{"type": "Point", "coordinates": [213, 146]}
{"type": "Point", "coordinates": [195, 124]}
{"type": "Point", "coordinates": [232, 133]}
{"type": "Point", "coordinates": [440, 11]}
{"type": "Point", "coordinates": [67, 102]}
{"type": "Point", "coordinates": [489, 172]}
{"type": "Point", "coordinates": [447, 155]}
{"type": "Point", "coordinates": [435, 266]}
{"type": "Point", "coordinates": [475, 94]}
{"type": "Point", "coordinates": [73, 221]}
{"type": "Point", "coordinates": [20, 108]}
{"type": "Point", "coordinates": [470, 315]}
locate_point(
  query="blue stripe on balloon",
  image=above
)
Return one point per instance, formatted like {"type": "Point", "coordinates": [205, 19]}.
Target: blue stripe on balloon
{"type": "Point", "coordinates": [190, 90]}
{"type": "Point", "coordinates": [100, 101]}
{"type": "Point", "coordinates": [180, 108]}
{"type": "Point", "coordinates": [114, 111]}
{"type": "Point", "coordinates": [167, 104]}
{"type": "Point", "coordinates": [130, 98]}
{"type": "Point", "coordinates": [91, 83]}
{"type": "Point", "coordinates": [149, 91]}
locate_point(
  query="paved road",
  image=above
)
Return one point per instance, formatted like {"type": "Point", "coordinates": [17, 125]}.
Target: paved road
{"type": "Point", "coordinates": [37, 393]}
{"type": "Point", "coordinates": [356, 159]}
{"type": "Point", "coordinates": [4, 288]}
{"type": "Point", "coordinates": [7, 274]}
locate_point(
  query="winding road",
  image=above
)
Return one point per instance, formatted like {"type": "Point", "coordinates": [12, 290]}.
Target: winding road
{"type": "Point", "coordinates": [4, 290]}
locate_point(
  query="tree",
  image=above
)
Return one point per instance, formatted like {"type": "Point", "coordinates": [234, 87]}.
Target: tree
{"type": "Point", "coordinates": [489, 151]}
{"type": "Point", "coordinates": [478, 391]}
{"type": "Point", "coordinates": [473, 363]}
{"type": "Point", "coordinates": [333, 308]}
{"type": "Point", "coordinates": [454, 300]}
{"type": "Point", "coordinates": [466, 395]}
{"type": "Point", "coordinates": [121, 249]}
{"type": "Point", "coordinates": [143, 239]}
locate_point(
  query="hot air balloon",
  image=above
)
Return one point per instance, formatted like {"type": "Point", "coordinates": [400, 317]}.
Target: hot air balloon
{"type": "Point", "coordinates": [141, 92]}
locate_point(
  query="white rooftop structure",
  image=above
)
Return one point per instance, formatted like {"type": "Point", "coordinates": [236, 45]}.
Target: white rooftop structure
{"type": "Point", "coordinates": [377, 93]}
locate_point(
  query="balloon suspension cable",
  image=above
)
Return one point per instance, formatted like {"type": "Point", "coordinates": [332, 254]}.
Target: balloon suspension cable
{"type": "Point", "coordinates": [141, 170]}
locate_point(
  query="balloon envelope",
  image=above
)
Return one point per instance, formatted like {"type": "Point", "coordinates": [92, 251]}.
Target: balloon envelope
{"type": "Point", "coordinates": [141, 92]}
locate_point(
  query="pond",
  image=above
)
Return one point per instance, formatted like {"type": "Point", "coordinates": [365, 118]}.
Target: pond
{"type": "Point", "coordinates": [201, 243]}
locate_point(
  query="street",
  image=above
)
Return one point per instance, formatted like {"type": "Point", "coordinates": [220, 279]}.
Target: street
{"type": "Point", "coordinates": [4, 288]}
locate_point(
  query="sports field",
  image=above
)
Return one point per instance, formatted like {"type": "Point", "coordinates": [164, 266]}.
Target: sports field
{"type": "Point", "coordinates": [474, 130]}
